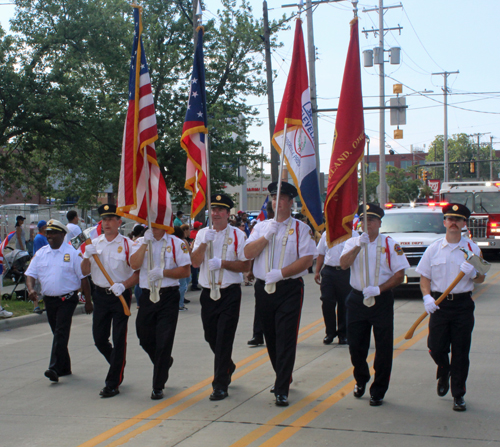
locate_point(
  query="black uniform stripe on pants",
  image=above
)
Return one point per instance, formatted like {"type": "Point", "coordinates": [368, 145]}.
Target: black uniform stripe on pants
{"type": "Point", "coordinates": [280, 314]}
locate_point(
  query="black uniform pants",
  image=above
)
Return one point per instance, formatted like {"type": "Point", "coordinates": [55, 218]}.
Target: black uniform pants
{"type": "Point", "coordinates": [279, 314]}
{"type": "Point", "coordinates": [451, 326]}
{"type": "Point", "coordinates": [334, 290]}
{"type": "Point", "coordinates": [60, 315]}
{"type": "Point", "coordinates": [220, 320]}
{"type": "Point", "coordinates": [108, 310]}
{"type": "Point", "coordinates": [360, 321]}
{"type": "Point", "coordinates": [257, 326]}
{"type": "Point", "coordinates": [155, 325]}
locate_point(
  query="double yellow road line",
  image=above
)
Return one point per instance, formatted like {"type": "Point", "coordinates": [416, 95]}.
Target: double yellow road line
{"type": "Point", "coordinates": [155, 415]}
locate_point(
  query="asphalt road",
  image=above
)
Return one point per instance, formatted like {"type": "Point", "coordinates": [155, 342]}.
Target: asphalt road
{"type": "Point", "coordinates": [323, 412]}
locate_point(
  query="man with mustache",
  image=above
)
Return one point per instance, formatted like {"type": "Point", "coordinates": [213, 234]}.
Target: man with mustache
{"type": "Point", "coordinates": [451, 323]}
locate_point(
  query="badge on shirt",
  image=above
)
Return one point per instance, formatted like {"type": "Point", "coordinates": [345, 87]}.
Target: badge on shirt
{"type": "Point", "coordinates": [398, 249]}
{"type": "Point", "coordinates": [184, 248]}
{"type": "Point", "coordinates": [169, 249]}
{"type": "Point", "coordinates": [66, 257]}
{"type": "Point", "coordinates": [120, 249]}
{"type": "Point", "coordinates": [290, 231]}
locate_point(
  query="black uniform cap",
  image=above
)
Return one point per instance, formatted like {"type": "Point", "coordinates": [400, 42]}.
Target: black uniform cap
{"type": "Point", "coordinates": [371, 210]}
{"type": "Point", "coordinates": [221, 200]}
{"type": "Point", "coordinates": [107, 209]}
{"type": "Point", "coordinates": [286, 188]}
{"type": "Point", "coordinates": [456, 210]}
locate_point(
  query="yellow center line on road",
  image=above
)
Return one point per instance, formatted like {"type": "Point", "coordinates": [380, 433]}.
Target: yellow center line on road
{"type": "Point", "coordinates": [316, 326]}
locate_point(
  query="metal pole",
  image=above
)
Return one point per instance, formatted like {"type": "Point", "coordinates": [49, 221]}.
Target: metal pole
{"type": "Point", "coordinates": [311, 50]}
{"type": "Point", "coordinates": [365, 218]}
{"type": "Point", "coordinates": [383, 184]}
{"type": "Point", "coordinates": [478, 157]}
{"type": "Point", "coordinates": [491, 158]}
{"type": "Point", "coordinates": [446, 159]}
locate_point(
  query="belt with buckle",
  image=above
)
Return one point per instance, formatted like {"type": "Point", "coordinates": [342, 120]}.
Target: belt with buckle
{"type": "Point", "coordinates": [104, 290]}
{"type": "Point", "coordinates": [334, 267]}
{"type": "Point", "coordinates": [453, 296]}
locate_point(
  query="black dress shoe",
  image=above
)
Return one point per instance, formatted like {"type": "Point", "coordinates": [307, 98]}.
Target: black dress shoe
{"type": "Point", "coordinates": [459, 404]}
{"type": "Point", "coordinates": [109, 392]}
{"type": "Point", "coordinates": [218, 395]}
{"type": "Point", "coordinates": [186, 301]}
{"type": "Point", "coordinates": [443, 385]}
{"type": "Point", "coordinates": [52, 375]}
{"type": "Point", "coordinates": [156, 394]}
{"type": "Point", "coordinates": [343, 341]}
{"type": "Point", "coordinates": [281, 400]}
{"type": "Point", "coordinates": [374, 402]}
{"type": "Point", "coordinates": [255, 341]}
{"type": "Point", "coordinates": [328, 339]}
{"type": "Point", "coordinates": [359, 390]}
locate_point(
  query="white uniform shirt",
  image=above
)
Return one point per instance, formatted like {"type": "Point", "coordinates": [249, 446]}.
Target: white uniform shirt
{"type": "Point", "coordinates": [395, 255]}
{"type": "Point", "coordinates": [74, 230]}
{"type": "Point", "coordinates": [332, 255]}
{"type": "Point", "coordinates": [113, 256]}
{"type": "Point", "coordinates": [234, 252]}
{"type": "Point", "coordinates": [176, 255]}
{"type": "Point", "coordinates": [294, 249]}
{"type": "Point", "coordinates": [58, 271]}
{"type": "Point", "coordinates": [441, 264]}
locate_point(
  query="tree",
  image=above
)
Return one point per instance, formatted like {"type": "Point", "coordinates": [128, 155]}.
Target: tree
{"type": "Point", "coordinates": [403, 188]}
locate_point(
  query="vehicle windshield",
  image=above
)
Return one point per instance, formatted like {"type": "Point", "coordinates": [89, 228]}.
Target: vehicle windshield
{"type": "Point", "coordinates": [487, 202]}
{"type": "Point", "coordinates": [464, 198]}
{"type": "Point", "coordinates": [412, 222]}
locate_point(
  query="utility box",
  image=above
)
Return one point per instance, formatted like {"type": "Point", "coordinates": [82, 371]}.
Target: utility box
{"type": "Point", "coordinates": [395, 55]}
{"type": "Point", "coordinates": [368, 58]}
{"type": "Point", "coordinates": [398, 115]}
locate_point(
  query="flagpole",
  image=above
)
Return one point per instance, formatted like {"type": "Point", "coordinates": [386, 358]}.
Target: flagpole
{"type": "Point", "coordinates": [365, 214]}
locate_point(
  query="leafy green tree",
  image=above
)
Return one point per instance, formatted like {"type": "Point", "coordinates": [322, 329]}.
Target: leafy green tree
{"type": "Point", "coordinates": [403, 188]}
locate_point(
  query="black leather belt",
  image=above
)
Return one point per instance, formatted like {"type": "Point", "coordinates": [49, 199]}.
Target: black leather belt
{"type": "Point", "coordinates": [334, 267]}
{"type": "Point", "coordinates": [66, 296]}
{"type": "Point", "coordinates": [453, 296]}
{"type": "Point", "coordinates": [104, 290]}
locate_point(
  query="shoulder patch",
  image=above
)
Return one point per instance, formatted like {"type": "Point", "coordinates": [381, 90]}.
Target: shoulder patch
{"type": "Point", "coordinates": [184, 248]}
{"type": "Point", "coordinates": [311, 234]}
{"type": "Point", "coordinates": [398, 249]}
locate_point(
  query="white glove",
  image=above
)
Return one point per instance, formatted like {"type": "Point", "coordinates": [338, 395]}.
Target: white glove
{"type": "Point", "coordinates": [430, 304]}
{"type": "Point", "coordinates": [363, 239]}
{"type": "Point", "coordinates": [155, 274]}
{"type": "Point", "coordinates": [467, 268]}
{"type": "Point", "coordinates": [274, 276]}
{"type": "Point", "coordinates": [214, 264]}
{"type": "Point", "coordinates": [117, 288]}
{"type": "Point", "coordinates": [371, 291]}
{"type": "Point", "coordinates": [148, 236]}
{"type": "Point", "coordinates": [208, 236]}
{"type": "Point", "coordinates": [272, 228]}
{"type": "Point", "coordinates": [91, 249]}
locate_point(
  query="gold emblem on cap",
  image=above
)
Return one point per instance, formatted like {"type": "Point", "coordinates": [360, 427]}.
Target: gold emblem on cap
{"type": "Point", "coordinates": [120, 249]}
{"type": "Point", "coordinates": [169, 249]}
{"type": "Point", "coordinates": [218, 198]}
{"type": "Point", "coordinates": [290, 231]}
{"type": "Point", "coordinates": [367, 207]}
{"type": "Point", "coordinates": [106, 207]}
{"type": "Point", "coordinates": [455, 208]}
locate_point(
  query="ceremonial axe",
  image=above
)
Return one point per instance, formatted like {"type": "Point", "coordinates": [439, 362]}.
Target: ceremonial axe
{"type": "Point", "coordinates": [477, 262]}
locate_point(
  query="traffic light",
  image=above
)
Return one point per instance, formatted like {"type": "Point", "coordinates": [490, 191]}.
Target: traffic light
{"type": "Point", "coordinates": [424, 176]}
{"type": "Point", "coordinates": [472, 166]}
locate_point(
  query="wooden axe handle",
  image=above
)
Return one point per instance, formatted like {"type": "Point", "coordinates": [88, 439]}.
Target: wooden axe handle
{"type": "Point", "coordinates": [410, 332]}
{"type": "Point", "coordinates": [126, 309]}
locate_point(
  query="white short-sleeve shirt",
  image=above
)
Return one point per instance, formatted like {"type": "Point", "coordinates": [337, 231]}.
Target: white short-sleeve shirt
{"type": "Point", "coordinates": [176, 255]}
{"type": "Point", "coordinates": [332, 255]}
{"type": "Point", "coordinates": [441, 264]}
{"type": "Point", "coordinates": [300, 243]}
{"type": "Point", "coordinates": [392, 260]}
{"type": "Point", "coordinates": [58, 271]}
{"type": "Point", "coordinates": [114, 256]}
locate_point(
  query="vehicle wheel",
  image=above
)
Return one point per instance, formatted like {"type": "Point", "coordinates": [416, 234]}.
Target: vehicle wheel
{"type": "Point", "coordinates": [6, 296]}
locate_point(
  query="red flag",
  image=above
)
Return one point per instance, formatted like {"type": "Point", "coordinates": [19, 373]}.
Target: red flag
{"type": "Point", "coordinates": [348, 149]}
{"type": "Point", "coordinates": [139, 135]}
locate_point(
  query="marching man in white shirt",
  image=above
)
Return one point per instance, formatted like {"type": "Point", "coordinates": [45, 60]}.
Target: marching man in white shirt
{"type": "Point", "coordinates": [371, 302]}
{"type": "Point", "coordinates": [279, 288]}
{"type": "Point", "coordinates": [452, 322]}
{"type": "Point", "coordinates": [220, 279]}
{"type": "Point", "coordinates": [159, 311]}
{"type": "Point", "coordinates": [57, 267]}
{"type": "Point", "coordinates": [113, 250]}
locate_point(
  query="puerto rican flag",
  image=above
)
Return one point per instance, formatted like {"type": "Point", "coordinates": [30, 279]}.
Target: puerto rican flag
{"type": "Point", "coordinates": [139, 137]}
{"type": "Point", "coordinates": [2, 246]}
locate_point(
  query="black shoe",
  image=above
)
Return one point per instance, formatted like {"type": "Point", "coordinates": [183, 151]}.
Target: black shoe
{"type": "Point", "coordinates": [109, 392]}
{"type": "Point", "coordinates": [187, 301]}
{"type": "Point", "coordinates": [272, 389]}
{"type": "Point", "coordinates": [328, 339]}
{"type": "Point", "coordinates": [281, 400]}
{"type": "Point", "coordinates": [459, 404]}
{"type": "Point", "coordinates": [52, 375]}
{"type": "Point", "coordinates": [218, 395]}
{"type": "Point", "coordinates": [194, 289]}
{"type": "Point", "coordinates": [343, 341]}
{"type": "Point", "coordinates": [156, 394]}
{"type": "Point", "coordinates": [443, 385]}
{"type": "Point", "coordinates": [255, 341]}
{"type": "Point", "coordinates": [359, 390]}
{"type": "Point", "coordinates": [374, 402]}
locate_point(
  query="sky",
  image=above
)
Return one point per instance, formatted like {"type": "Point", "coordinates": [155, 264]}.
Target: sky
{"type": "Point", "coordinates": [436, 36]}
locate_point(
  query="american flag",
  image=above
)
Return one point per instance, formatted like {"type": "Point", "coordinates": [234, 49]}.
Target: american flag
{"type": "Point", "coordinates": [263, 211]}
{"type": "Point", "coordinates": [2, 247]}
{"type": "Point", "coordinates": [139, 135]}
{"type": "Point", "coordinates": [194, 130]}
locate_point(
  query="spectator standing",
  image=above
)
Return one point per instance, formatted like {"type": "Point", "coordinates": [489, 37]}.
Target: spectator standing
{"type": "Point", "coordinates": [39, 242]}
{"type": "Point", "coordinates": [20, 234]}
{"type": "Point", "coordinates": [73, 227]}
{"type": "Point", "coordinates": [178, 219]}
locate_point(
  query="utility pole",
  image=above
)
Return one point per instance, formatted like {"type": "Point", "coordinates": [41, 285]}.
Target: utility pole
{"type": "Point", "coordinates": [270, 96]}
{"type": "Point", "coordinates": [478, 135]}
{"type": "Point", "coordinates": [445, 92]}
{"type": "Point", "coordinates": [491, 158]}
